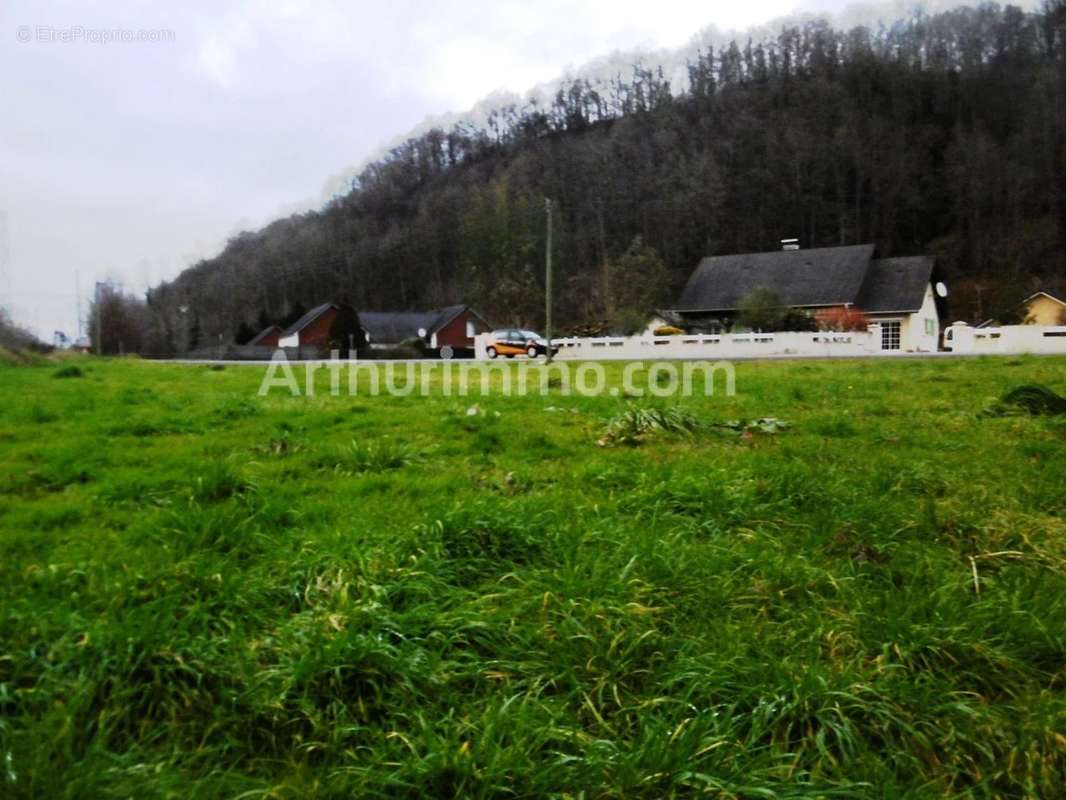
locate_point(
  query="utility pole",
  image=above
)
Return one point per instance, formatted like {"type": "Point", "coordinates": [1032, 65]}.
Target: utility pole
{"type": "Point", "coordinates": [548, 283]}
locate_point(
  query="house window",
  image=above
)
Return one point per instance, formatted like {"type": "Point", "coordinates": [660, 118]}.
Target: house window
{"type": "Point", "coordinates": [930, 327]}
{"type": "Point", "coordinates": [890, 335]}
{"type": "Point", "coordinates": [470, 329]}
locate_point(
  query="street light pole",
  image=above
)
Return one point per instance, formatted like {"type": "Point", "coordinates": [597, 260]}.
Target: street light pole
{"type": "Point", "coordinates": [548, 283]}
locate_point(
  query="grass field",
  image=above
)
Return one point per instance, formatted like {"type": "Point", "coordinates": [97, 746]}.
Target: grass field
{"type": "Point", "coordinates": [205, 593]}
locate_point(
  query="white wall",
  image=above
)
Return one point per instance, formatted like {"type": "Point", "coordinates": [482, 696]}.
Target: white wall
{"type": "Point", "coordinates": [961, 338]}
{"type": "Point", "coordinates": [726, 345]}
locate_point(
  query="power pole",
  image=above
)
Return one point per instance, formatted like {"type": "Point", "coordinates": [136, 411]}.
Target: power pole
{"type": "Point", "coordinates": [548, 283]}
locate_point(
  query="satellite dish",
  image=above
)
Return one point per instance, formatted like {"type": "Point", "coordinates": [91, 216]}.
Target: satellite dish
{"type": "Point", "coordinates": [941, 289]}
{"type": "Point", "coordinates": [422, 333]}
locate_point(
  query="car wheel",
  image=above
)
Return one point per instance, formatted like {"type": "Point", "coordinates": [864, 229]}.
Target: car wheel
{"type": "Point", "coordinates": [491, 352]}
{"type": "Point", "coordinates": [531, 351]}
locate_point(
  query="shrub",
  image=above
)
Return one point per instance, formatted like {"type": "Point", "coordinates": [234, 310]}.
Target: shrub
{"type": "Point", "coordinates": [761, 310]}
{"type": "Point", "coordinates": [841, 318]}
{"type": "Point", "coordinates": [668, 330]}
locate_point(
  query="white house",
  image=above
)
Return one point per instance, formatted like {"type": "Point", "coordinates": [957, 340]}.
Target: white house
{"type": "Point", "coordinates": [900, 296]}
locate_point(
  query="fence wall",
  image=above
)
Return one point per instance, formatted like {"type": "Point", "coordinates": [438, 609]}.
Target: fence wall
{"type": "Point", "coordinates": [1008, 339]}
{"type": "Point", "coordinates": [707, 346]}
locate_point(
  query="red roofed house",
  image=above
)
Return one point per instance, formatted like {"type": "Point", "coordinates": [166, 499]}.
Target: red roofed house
{"type": "Point", "coordinates": [312, 329]}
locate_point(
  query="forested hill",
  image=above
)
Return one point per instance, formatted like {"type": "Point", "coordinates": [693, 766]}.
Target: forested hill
{"type": "Point", "coordinates": [943, 134]}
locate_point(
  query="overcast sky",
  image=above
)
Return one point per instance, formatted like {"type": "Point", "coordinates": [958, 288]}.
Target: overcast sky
{"type": "Point", "coordinates": [130, 160]}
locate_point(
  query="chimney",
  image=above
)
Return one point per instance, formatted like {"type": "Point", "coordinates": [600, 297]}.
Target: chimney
{"type": "Point", "coordinates": [790, 244]}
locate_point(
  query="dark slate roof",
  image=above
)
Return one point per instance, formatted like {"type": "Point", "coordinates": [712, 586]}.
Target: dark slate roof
{"type": "Point", "coordinates": [393, 327]}
{"type": "Point", "coordinates": [269, 329]}
{"type": "Point", "coordinates": [309, 317]}
{"type": "Point", "coordinates": [825, 276]}
{"type": "Point", "coordinates": [895, 284]}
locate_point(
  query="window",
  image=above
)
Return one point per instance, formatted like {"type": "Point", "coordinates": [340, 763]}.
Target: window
{"type": "Point", "coordinates": [470, 329]}
{"type": "Point", "coordinates": [930, 327]}
{"type": "Point", "coordinates": [890, 335]}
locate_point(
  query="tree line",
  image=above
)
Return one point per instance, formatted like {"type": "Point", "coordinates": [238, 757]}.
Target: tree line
{"type": "Point", "coordinates": [942, 134]}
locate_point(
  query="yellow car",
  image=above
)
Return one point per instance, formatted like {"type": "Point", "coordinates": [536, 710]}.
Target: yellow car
{"type": "Point", "coordinates": [513, 342]}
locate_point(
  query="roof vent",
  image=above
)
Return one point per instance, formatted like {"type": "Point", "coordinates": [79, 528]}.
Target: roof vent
{"type": "Point", "coordinates": [790, 244]}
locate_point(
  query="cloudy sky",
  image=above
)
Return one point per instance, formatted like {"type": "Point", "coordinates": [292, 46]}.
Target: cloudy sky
{"type": "Point", "coordinates": [131, 159]}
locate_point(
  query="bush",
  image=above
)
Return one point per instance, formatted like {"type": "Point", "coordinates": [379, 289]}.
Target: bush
{"type": "Point", "coordinates": [842, 318]}
{"type": "Point", "coordinates": [761, 310]}
{"type": "Point", "coordinates": [668, 330]}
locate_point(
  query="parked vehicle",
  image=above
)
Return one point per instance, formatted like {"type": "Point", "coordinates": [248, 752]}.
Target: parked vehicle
{"type": "Point", "coordinates": [513, 342]}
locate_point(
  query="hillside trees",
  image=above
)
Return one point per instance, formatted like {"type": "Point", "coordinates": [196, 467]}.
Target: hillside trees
{"type": "Point", "coordinates": [118, 322]}
{"type": "Point", "coordinates": [941, 134]}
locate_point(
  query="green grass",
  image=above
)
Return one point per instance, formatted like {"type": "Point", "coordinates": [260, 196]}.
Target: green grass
{"type": "Point", "coordinates": [205, 593]}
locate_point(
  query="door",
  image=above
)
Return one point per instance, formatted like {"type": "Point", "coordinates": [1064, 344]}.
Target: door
{"type": "Point", "coordinates": [890, 330]}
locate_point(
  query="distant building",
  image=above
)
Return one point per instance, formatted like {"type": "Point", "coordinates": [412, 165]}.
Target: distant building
{"type": "Point", "coordinates": [1040, 308]}
{"type": "Point", "coordinates": [312, 329]}
{"type": "Point", "coordinates": [452, 326]}
{"type": "Point", "coordinates": [268, 337]}
{"type": "Point", "coordinates": [896, 294]}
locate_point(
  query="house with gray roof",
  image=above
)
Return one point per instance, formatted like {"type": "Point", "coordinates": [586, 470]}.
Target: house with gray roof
{"type": "Point", "coordinates": [452, 326]}
{"type": "Point", "coordinates": [900, 296]}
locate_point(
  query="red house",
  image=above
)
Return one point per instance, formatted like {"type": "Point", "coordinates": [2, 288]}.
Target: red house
{"type": "Point", "coordinates": [268, 337]}
{"type": "Point", "coordinates": [452, 326]}
{"type": "Point", "coordinates": [312, 329]}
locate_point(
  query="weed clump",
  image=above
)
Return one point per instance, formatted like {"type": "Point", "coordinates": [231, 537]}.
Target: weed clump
{"type": "Point", "coordinates": [219, 481]}
{"type": "Point", "coordinates": [357, 457]}
{"type": "Point", "coordinates": [69, 371]}
{"type": "Point", "coordinates": [634, 425]}
{"type": "Point", "coordinates": [1031, 398]}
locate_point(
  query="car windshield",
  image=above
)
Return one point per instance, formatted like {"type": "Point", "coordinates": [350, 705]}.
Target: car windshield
{"type": "Point", "coordinates": [530, 334]}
